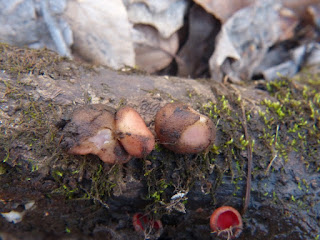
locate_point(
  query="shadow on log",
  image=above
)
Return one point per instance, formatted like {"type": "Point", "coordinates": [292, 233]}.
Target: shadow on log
{"type": "Point", "coordinates": [48, 194]}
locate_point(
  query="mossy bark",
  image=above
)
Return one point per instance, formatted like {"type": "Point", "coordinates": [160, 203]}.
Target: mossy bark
{"type": "Point", "coordinates": [76, 196]}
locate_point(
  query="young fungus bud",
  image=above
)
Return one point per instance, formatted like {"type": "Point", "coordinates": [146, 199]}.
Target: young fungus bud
{"type": "Point", "coordinates": [182, 129]}
{"type": "Point", "coordinates": [134, 135]}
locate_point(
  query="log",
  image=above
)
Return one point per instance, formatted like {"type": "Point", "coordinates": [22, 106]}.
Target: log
{"type": "Point", "coordinates": [48, 194]}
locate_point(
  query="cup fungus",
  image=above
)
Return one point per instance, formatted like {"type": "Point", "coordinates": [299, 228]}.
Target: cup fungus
{"type": "Point", "coordinates": [226, 222]}
{"type": "Point", "coordinates": [143, 225]}
{"type": "Point", "coordinates": [182, 129]}
{"type": "Point", "coordinates": [91, 131]}
{"type": "Point", "coordinates": [133, 133]}
{"type": "Point", "coordinates": [114, 137]}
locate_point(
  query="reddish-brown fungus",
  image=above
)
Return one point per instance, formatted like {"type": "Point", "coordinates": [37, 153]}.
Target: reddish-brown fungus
{"type": "Point", "coordinates": [182, 129]}
{"type": "Point", "coordinates": [91, 131]}
{"type": "Point", "coordinates": [133, 133]}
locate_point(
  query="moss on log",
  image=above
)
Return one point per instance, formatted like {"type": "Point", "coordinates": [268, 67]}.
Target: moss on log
{"type": "Point", "coordinates": [276, 124]}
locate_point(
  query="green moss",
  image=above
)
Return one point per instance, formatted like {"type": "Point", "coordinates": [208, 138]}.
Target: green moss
{"type": "Point", "coordinates": [17, 61]}
{"type": "Point", "coordinates": [104, 182]}
{"type": "Point", "coordinates": [288, 121]}
{"type": "Point", "coordinates": [297, 113]}
{"type": "Point", "coordinates": [30, 124]}
{"type": "Point", "coordinates": [27, 127]}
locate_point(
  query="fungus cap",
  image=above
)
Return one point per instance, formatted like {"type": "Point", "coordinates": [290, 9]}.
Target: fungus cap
{"type": "Point", "coordinates": [134, 135]}
{"type": "Point", "coordinates": [91, 131]}
{"type": "Point", "coordinates": [142, 223]}
{"type": "Point", "coordinates": [226, 221]}
{"type": "Point", "coordinates": [183, 130]}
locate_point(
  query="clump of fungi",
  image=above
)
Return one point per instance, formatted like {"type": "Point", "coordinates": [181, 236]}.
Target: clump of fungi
{"type": "Point", "coordinates": [114, 136]}
{"type": "Point", "coordinates": [145, 226]}
{"type": "Point", "coordinates": [117, 136]}
{"type": "Point", "coordinates": [226, 222]}
{"type": "Point", "coordinates": [182, 129]}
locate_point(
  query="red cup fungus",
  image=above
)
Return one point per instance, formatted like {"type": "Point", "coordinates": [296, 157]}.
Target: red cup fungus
{"type": "Point", "coordinates": [97, 129]}
{"type": "Point", "coordinates": [143, 225]}
{"type": "Point", "coordinates": [183, 130]}
{"type": "Point", "coordinates": [226, 222]}
{"type": "Point", "coordinates": [133, 133]}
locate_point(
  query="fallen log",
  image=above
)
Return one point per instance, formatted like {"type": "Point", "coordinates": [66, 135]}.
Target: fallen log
{"type": "Point", "coordinates": [47, 193]}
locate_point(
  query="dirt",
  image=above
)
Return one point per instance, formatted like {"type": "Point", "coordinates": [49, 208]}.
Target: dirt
{"type": "Point", "coordinates": [79, 197]}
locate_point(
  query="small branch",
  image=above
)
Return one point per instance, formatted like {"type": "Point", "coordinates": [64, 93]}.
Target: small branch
{"type": "Point", "coordinates": [94, 198]}
{"type": "Point", "coordinates": [274, 152]}
{"type": "Point", "coordinates": [249, 150]}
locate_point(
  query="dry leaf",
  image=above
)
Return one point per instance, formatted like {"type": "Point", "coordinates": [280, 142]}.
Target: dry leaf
{"type": "Point", "coordinates": [153, 52]}
{"type": "Point", "coordinates": [244, 40]}
{"type": "Point", "coordinates": [313, 13]}
{"type": "Point", "coordinates": [298, 6]}
{"type": "Point", "coordinates": [22, 24]}
{"type": "Point", "coordinates": [153, 5]}
{"type": "Point", "coordinates": [167, 21]}
{"type": "Point", "coordinates": [101, 32]}
{"type": "Point", "coordinates": [223, 9]}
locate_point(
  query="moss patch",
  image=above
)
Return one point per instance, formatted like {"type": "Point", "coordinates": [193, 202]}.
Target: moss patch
{"type": "Point", "coordinates": [17, 61]}
{"type": "Point", "coordinates": [293, 121]}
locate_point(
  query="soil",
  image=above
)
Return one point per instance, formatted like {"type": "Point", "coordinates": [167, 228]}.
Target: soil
{"type": "Point", "coordinates": [274, 124]}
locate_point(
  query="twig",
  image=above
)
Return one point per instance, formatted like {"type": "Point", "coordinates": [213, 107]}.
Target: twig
{"type": "Point", "coordinates": [249, 150]}
{"type": "Point", "coordinates": [94, 198]}
{"type": "Point", "coordinates": [274, 151]}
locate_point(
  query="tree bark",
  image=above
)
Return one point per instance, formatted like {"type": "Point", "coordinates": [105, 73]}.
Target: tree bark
{"type": "Point", "coordinates": [66, 196]}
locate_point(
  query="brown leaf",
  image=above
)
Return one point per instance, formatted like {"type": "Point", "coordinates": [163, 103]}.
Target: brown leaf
{"type": "Point", "coordinates": [153, 52]}
{"type": "Point", "coordinates": [244, 40]}
{"type": "Point", "coordinates": [298, 6]}
{"type": "Point", "coordinates": [166, 21]}
{"type": "Point", "coordinates": [223, 9]}
{"type": "Point", "coordinates": [101, 32]}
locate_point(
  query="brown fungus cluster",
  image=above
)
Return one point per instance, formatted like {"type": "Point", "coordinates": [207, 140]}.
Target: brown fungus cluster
{"type": "Point", "coordinates": [182, 129]}
{"type": "Point", "coordinates": [117, 136]}
{"type": "Point", "coordinates": [98, 129]}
